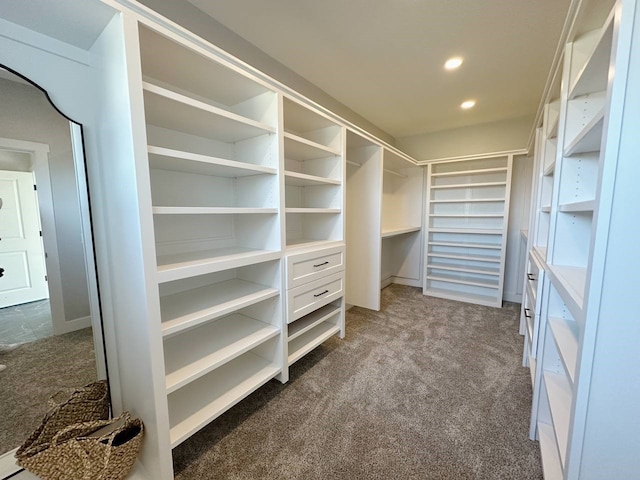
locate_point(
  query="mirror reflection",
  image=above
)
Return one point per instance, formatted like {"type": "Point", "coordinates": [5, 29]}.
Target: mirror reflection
{"type": "Point", "coordinates": [47, 282]}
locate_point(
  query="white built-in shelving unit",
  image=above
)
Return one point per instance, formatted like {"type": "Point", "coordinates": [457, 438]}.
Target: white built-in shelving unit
{"type": "Point", "coordinates": [384, 197]}
{"type": "Point", "coordinates": [314, 165]}
{"type": "Point", "coordinates": [213, 174]}
{"type": "Point", "coordinates": [466, 220]}
{"type": "Point", "coordinates": [581, 249]}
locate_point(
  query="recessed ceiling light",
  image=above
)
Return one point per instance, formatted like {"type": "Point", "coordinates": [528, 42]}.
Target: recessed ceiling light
{"type": "Point", "coordinates": [453, 63]}
{"type": "Point", "coordinates": [466, 105]}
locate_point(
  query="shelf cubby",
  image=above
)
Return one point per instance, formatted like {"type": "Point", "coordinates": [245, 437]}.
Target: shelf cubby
{"type": "Point", "coordinates": [313, 336]}
{"type": "Point", "coordinates": [203, 400]}
{"type": "Point", "coordinates": [197, 73]}
{"type": "Point", "coordinates": [306, 127]}
{"type": "Point", "coordinates": [201, 350]}
{"type": "Point", "coordinates": [311, 320]}
{"type": "Point", "coordinates": [190, 302]}
{"type": "Point", "coordinates": [559, 397]}
{"type": "Point", "coordinates": [584, 121]}
{"type": "Point", "coordinates": [592, 51]}
{"type": "Point", "coordinates": [313, 226]}
{"type": "Point", "coordinates": [168, 109]}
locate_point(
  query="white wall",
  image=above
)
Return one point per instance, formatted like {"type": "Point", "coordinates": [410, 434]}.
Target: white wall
{"type": "Point", "coordinates": [193, 19]}
{"type": "Point", "coordinates": [512, 134]}
{"type": "Point", "coordinates": [27, 115]}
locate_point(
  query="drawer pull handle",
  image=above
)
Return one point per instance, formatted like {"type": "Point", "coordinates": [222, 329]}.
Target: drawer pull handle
{"type": "Point", "coordinates": [526, 313]}
{"type": "Point", "coordinates": [531, 276]}
{"type": "Point", "coordinates": [321, 264]}
{"type": "Point", "coordinates": [321, 293]}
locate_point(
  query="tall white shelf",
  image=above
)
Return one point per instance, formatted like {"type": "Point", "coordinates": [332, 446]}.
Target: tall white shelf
{"type": "Point", "coordinates": [213, 172]}
{"type": "Point", "coordinates": [467, 209]}
{"type": "Point", "coordinates": [583, 239]}
{"type": "Point", "coordinates": [384, 236]}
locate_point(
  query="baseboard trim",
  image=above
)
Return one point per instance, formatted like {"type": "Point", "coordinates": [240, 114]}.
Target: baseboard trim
{"type": "Point", "coordinates": [72, 325]}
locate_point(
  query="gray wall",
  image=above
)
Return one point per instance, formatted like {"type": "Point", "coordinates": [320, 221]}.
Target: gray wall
{"type": "Point", "coordinates": [27, 115]}
{"type": "Point", "coordinates": [190, 17]}
{"type": "Point", "coordinates": [512, 134]}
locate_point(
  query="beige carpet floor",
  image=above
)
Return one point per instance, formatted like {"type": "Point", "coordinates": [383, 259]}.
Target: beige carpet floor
{"type": "Point", "coordinates": [34, 372]}
{"type": "Point", "coordinates": [425, 389]}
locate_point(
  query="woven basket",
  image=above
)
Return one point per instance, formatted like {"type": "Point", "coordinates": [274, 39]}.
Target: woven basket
{"type": "Point", "coordinates": [86, 404]}
{"type": "Point", "coordinates": [100, 450]}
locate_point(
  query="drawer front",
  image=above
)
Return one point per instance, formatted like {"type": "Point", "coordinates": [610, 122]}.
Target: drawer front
{"type": "Point", "coordinates": [309, 266]}
{"type": "Point", "coordinates": [313, 295]}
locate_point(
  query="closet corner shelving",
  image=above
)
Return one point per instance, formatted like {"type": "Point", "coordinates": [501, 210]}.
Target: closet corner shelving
{"type": "Point", "coordinates": [584, 322]}
{"type": "Point", "coordinates": [467, 208]}
{"type": "Point", "coordinates": [384, 206]}
{"type": "Point", "coordinates": [401, 223]}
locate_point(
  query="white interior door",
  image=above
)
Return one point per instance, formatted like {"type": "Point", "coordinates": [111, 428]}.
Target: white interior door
{"type": "Point", "coordinates": [21, 252]}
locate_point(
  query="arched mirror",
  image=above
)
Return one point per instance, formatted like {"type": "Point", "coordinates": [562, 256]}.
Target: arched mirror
{"type": "Point", "coordinates": [50, 327]}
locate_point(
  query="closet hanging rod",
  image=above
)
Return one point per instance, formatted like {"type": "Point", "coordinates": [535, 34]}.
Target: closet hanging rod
{"type": "Point", "coordinates": [394, 173]}
{"type": "Point", "coordinates": [355, 164]}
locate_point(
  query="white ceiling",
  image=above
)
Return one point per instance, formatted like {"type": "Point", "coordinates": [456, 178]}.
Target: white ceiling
{"type": "Point", "coordinates": [383, 58]}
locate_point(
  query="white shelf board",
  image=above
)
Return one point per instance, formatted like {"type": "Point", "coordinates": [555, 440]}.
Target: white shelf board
{"type": "Point", "coordinates": [470, 215]}
{"type": "Point", "coordinates": [566, 337]}
{"type": "Point", "coordinates": [489, 301]}
{"type": "Point", "coordinates": [179, 161]}
{"type": "Point", "coordinates": [545, 209]}
{"type": "Point", "coordinates": [197, 404]}
{"type": "Point", "coordinates": [470, 200]}
{"type": "Point", "coordinates": [464, 268]}
{"type": "Point", "coordinates": [312, 210]}
{"type": "Point", "coordinates": [551, 466]}
{"type": "Point", "coordinates": [549, 169]}
{"type": "Point", "coordinates": [182, 265]}
{"type": "Point", "coordinates": [468, 185]}
{"type": "Point", "coordinates": [306, 323]}
{"type": "Point", "coordinates": [174, 111]}
{"type": "Point", "coordinates": [559, 396]}
{"type": "Point", "coordinates": [594, 74]}
{"type": "Point", "coordinates": [299, 148]}
{"type": "Point", "coordinates": [479, 231]}
{"type": "Point", "coordinates": [395, 231]}
{"type": "Point", "coordinates": [553, 127]}
{"type": "Point", "coordinates": [470, 172]}
{"type": "Point", "coordinates": [303, 180]}
{"type": "Point", "coordinates": [195, 353]}
{"type": "Point", "coordinates": [487, 246]}
{"type": "Point", "coordinates": [541, 252]}
{"type": "Point", "coordinates": [589, 138]}
{"type": "Point", "coordinates": [570, 283]}
{"type": "Point", "coordinates": [453, 279]}
{"type": "Point", "coordinates": [457, 256]}
{"type": "Point", "coordinates": [303, 344]}
{"type": "Point", "coordinates": [301, 244]}
{"type": "Point", "coordinates": [583, 206]}
{"type": "Point", "coordinates": [191, 308]}
{"type": "Point", "coordinates": [212, 210]}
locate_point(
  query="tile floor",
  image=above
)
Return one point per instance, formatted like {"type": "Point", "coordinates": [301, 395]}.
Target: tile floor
{"type": "Point", "coordinates": [25, 323]}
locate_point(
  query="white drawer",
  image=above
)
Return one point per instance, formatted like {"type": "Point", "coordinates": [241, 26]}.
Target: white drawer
{"type": "Point", "coordinates": [309, 266]}
{"type": "Point", "coordinates": [313, 295]}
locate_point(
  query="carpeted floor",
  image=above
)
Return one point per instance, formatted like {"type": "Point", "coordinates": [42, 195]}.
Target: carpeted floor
{"type": "Point", "coordinates": [34, 372]}
{"type": "Point", "coordinates": [426, 389]}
